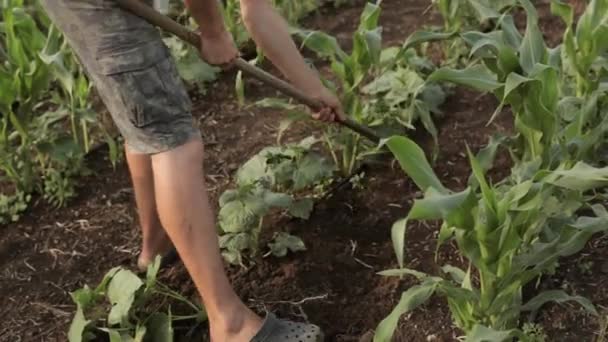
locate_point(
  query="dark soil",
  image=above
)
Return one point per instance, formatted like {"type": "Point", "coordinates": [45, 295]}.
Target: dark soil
{"type": "Point", "coordinates": [334, 283]}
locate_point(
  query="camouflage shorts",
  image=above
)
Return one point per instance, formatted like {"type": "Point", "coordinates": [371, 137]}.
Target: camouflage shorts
{"type": "Point", "coordinates": [132, 70]}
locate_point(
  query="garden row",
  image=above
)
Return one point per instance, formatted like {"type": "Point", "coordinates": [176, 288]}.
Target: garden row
{"type": "Point", "coordinates": [512, 232]}
{"type": "Point", "coordinates": [49, 121]}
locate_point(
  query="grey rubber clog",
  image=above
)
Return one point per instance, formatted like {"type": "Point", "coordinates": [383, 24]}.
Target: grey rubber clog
{"type": "Point", "coordinates": [276, 330]}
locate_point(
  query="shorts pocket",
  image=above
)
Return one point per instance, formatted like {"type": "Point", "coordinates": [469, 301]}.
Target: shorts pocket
{"type": "Point", "coordinates": [154, 95]}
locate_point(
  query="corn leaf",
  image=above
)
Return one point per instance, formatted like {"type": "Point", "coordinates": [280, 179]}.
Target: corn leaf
{"type": "Point", "coordinates": [581, 177]}
{"type": "Point", "coordinates": [533, 48]}
{"type": "Point", "coordinates": [398, 232]}
{"type": "Point", "coordinates": [413, 161]}
{"type": "Point", "coordinates": [423, 37]}
{"type": "Point", "coordinates": [558, 296]}
{"type": "Point", "coordinates": [481, 333]}
{"type": "Point", "coordinates": [323, 44]}
{"type": "Point", "coordinates": [436, 205]}
{"type": "Point", "coordinates": [486, 155]}
{"type": "Point", "coordinates": [486, 190]}
{"type": "Point", "coordinates": [476, 76]}
{"type": "Point", "coordinates": [510, 32]}
{"type": "Point", "coordinates": [369, 17]}
{"type": "Point", "coordinates": [513, 82]}
{"type": "Point", "coordinates": [410, 299]}
{"type": "Point", "coordinates": [491, 41]}
{"type": "Point", "coordinates": [457, 274]}
{"type": "Point", "coordinates": [484, 12]}
{"type": "Point", "coordinates": [403, 271]}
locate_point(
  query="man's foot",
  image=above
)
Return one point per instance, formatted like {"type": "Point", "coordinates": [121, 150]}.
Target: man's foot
{"type": "Point", "coordinates": [153, 246]}
{"type": "Point", "coordinates": [272, 329]}
{"type": "Point", "coordinates": [241, 326]}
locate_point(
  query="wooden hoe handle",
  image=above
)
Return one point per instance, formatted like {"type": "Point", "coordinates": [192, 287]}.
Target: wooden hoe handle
{"type": "Point", "coordinates": [155, 18]}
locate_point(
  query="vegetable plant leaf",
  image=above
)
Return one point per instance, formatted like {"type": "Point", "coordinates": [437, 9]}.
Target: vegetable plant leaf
{"type": "Point", "coordinates": [240, 215]}
{"type": "Point", "coordinates": [152, 273]}
{"type": "Point", "coordinates": [121, 294]}
{"type": "Point", "coordinates": [140, 333]}
{"type": "Point", "coordinates": [274, 199]}
{"type": "Point", "coordinates": [78, 326]}
{"type": "Point", "coordinates": [159, 328]}
{"type": "Point", "coordinates": [253, 170]}
{"type": "Point", "coordinates": [301, 208]}
{"type": "Point", "coordinates": [285, 242]}
{"type": "Point", "coordinates": [115, 336]}
{"type": "Point", "coordinates": [311, 169]}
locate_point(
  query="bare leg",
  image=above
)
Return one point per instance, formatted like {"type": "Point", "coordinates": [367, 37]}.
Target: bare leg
{"type": "Point", "coordinates": [155, 240]}
{"type": "Point", "coordinates": [184, 209]}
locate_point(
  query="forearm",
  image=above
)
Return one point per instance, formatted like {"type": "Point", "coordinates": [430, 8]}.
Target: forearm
{"type": "Point", "coordinates": [207, 15]}
{"type": "Point", "coordinates": [271, 34]}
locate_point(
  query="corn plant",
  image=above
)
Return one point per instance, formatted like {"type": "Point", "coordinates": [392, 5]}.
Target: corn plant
{"type": "Point", "coordinates": [75, 87]}
{"type": "Point", "coordinates": [554, 125]}
{"type": "Point", "coordinates": [510, 234]}
{"type": "Point", "coordinates": [124, 307]}
{"type": "Point", "coordinates": [459, 15]}
{"type": "Point", "coordinates": [23, 77]}
{"type": "Point", "coordinates": [292, 11]}
{"type": "Point", "coordinates": [585, 45]}
{"type": "Point", "coordinates": [43, 89]}
{"type": "Point", "coordinates": [466, 14]}
{"type": "Point", "coordinates": [273, 179]}
{"type": "Point", "coordinates": [381, 88]}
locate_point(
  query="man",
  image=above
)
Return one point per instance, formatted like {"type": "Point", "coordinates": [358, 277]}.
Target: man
{"type": "Point", "coordinates": [138, 82]}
